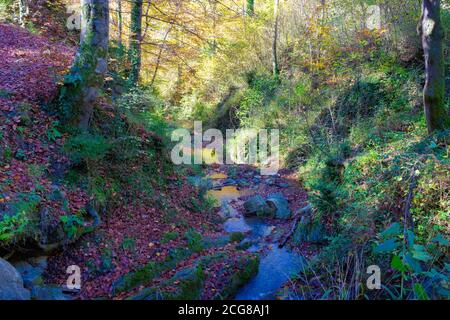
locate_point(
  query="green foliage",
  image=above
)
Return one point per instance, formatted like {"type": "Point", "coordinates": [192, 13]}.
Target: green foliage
{"type": "Point", "coordinates": [128, 244]}
{"type": "Point", "coordinates": [17, 225]}
{"type": "Point", "coordinates": [72, 225]}
{"type": "Point", "coordinates": [411, 261]}
{"type": "Point", "coordinates": [53, 133]}
{"type": "Point", "coordinates": [194, 240]}
{"type": "Point", "coordinates": [169, 236]}
{"type": "Point", "coordinates": [87, 147]}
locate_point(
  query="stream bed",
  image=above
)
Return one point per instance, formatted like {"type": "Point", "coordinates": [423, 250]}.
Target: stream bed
{"type": "Point", "coordinates": [277, 265]}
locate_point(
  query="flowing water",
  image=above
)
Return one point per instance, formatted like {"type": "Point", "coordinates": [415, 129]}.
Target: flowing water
{"type": "Point", "coordinates": [277, 265]}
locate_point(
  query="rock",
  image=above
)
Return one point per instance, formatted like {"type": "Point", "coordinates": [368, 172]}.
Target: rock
{"type": "Point", "coordinates": [202, 185]}
{"type": "Point", "coordinates": [309, 230]}
{"type": "Point", "coordinates": [248, 267]}
{"type": "Point", "coordinates": [280, 205]}
{"type": "Point", "coordinates": [51, 231]}
{"type": "Point", "coordinates": [31, 275]}
{"type": "Point", "coordinates": [48, 293]}
{"type": "Point", "coordinates": [256, 180]}
{"type": "Point", "coordinates": [189, 284]}
{"type": "Point", "coordinates": [229, 182]}
{"type": "Point", "coordinates": [283, 185]}
{"type": "Point", "coordinates": [304, 211]}
{"type": "Point", "coordinates": [243, 183]}
{"type": "Point", "coordinates": [257, 206]}
{"type": "Point", "coordinates": [11, 283]}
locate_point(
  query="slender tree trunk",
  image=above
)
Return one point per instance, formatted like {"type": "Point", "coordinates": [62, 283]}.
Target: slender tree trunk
{"type": "Point", "coordinates": [23, 12]}
{"type": "Point", "coordinates": [432, 34]}
{"type": "Point", "coordinates": [135, 42]}
{"type": "Point", "coordinates": [275, 68]}
{"type": "Point", "coordinates": [84, 82]}
{"type": "Point", "coordinates": [158, 60]}
{"type": "Point", "coordinates": [250, 8]}
{"type": "Point", "coordinates": [119, 23]}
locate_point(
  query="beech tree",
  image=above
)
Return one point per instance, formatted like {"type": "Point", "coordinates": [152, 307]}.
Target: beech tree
{"type": "Point", "coordinates": [432, 34]}
{"type": "Point", "coordinates": [85, 80]}
{"type": "Point", "coordinates": [250, 7]}
{"type": "Point", "coordinates": [135, 41]}
{"type": "Point", "coordinates": [276, 70]}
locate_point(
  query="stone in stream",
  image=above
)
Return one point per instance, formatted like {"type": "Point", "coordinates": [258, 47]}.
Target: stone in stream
{"type": "Point", "coordinates": [280, 205]}
{"type": "Point", "coordinates": [11, 283]}
{"type": "Point", "coordinates": [48, 293]}
{"type": "Point", "coordinates": [31, 275]}
{"type": "Point", "coordinates": [309, 230]}
{"type": "Point", "coordinates": [243, 183]}
{"type": "Point", "coordinates": [257, 206]}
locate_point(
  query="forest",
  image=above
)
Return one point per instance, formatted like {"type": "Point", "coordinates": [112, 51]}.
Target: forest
{"type": "Point", "coordinates": [224, 150]}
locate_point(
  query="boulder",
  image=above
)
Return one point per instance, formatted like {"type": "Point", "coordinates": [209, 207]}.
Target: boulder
{"type": "Point", "coordinates": [309, 230]}
{"type": "Point", "coordinates": [48, 293]}
{"type": "Point", "coordinates": [31, 272]}
{"type": "Point", "coordinates": [257, 206]}
{"type": "Point", "coordinates": [280, 205]}
{"type": "Point", "coordinates": [11, 283]}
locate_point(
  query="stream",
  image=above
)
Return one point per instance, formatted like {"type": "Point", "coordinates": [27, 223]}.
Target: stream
{"type": "Point", "coordinates": [277, 265]}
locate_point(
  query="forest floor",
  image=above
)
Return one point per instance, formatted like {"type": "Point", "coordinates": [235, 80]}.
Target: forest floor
{"type": "Point", "coordinates": [133, 234]}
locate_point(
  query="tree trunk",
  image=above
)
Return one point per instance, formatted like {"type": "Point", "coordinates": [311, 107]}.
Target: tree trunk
{"type": "Point", "coordinates": [83, 83]}
{"type": "Point", "coordinates": [432, 34]}
{"type": "Point", "coordinates": [119, 23]}
{"type": "Point", "coordinates": [250, 8]}
{"type": "Point", "coordinates": [135, 42]}
{"type": "Point", "coordinates": [275, 68]}
{"type": "Point", "coordinates": [23, 12]}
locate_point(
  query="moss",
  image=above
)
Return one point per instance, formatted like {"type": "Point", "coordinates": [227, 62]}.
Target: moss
{"type": "Point", "coordinates": [237, 237]}
{"type": "Point", "coordinates": [150, 271]}
{"type": "Point", "coordinates": [189, 285]}
{"type": "Point", "coordinates": [248, 268]}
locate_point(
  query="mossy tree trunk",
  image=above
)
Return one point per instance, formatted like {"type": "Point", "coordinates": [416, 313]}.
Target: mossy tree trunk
{"type": "Point", "coordinates": [432, 34]}
{"type": "Point", "coordinates": [275, 67]}
{"type": "Point", "coordinates": [23, 11]}
{"type": "Point", "coordinates": [135, 42]}
{"type": "Point", "coordinates": [119, 22]}
{"type": "Point", "coordinates": [83, 84]}
{"type": "Point", "coordinates": [250, 8]}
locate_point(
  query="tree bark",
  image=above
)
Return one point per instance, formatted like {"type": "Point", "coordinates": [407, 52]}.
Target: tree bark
{"type": "Point", "coordinates": [275, 68]}
{"type": "Point", "coordinates": [135, 42]}
{"type": "Point", "coordinates": [119, 23]}
{"type": "Point", "coordinates": [84, 82]}
{"type": "Point", "coordinates": [250, 8]}
{"type": "Point", "coordinates": [23, 12]}
{"type": "Point", "coordinates": [432, 34]}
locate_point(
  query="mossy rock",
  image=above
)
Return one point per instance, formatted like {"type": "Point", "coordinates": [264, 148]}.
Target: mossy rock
{"type": "Point", "coordinates": [150, 271]}
{"type": "Point", "coordinates": [248, 268]}
{"type": "Point", "coordinates": [278, 203]}
{"type": "Point", "coordinates": [189, 284]}
{"type": "Point", "coordinates": [309, 231]}
{"type": "Point", "coordinates": [237, 237]}
{"type": "Point", "coordinates": [257, 206]}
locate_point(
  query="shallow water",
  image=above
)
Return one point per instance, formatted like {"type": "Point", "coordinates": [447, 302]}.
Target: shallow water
{"type": "Point", "coordinates": [276, 267]}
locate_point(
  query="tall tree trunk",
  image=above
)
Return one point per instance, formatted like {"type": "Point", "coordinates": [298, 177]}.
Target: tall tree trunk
{"type": "Point", "coordinates": [275, 68]}
{"type": "Point", "coordinates": [432, 34]}
{"type": "Point", "coordinates": [83, 83]}
{"type": "Point", "coordinates": [119, 23]}
{"type": "Point", "coordinates": [250, 8]}
{"type": "Point", "coordinates": [23, 12]}
{"type": "Point", "coordinates": [135, 41]}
